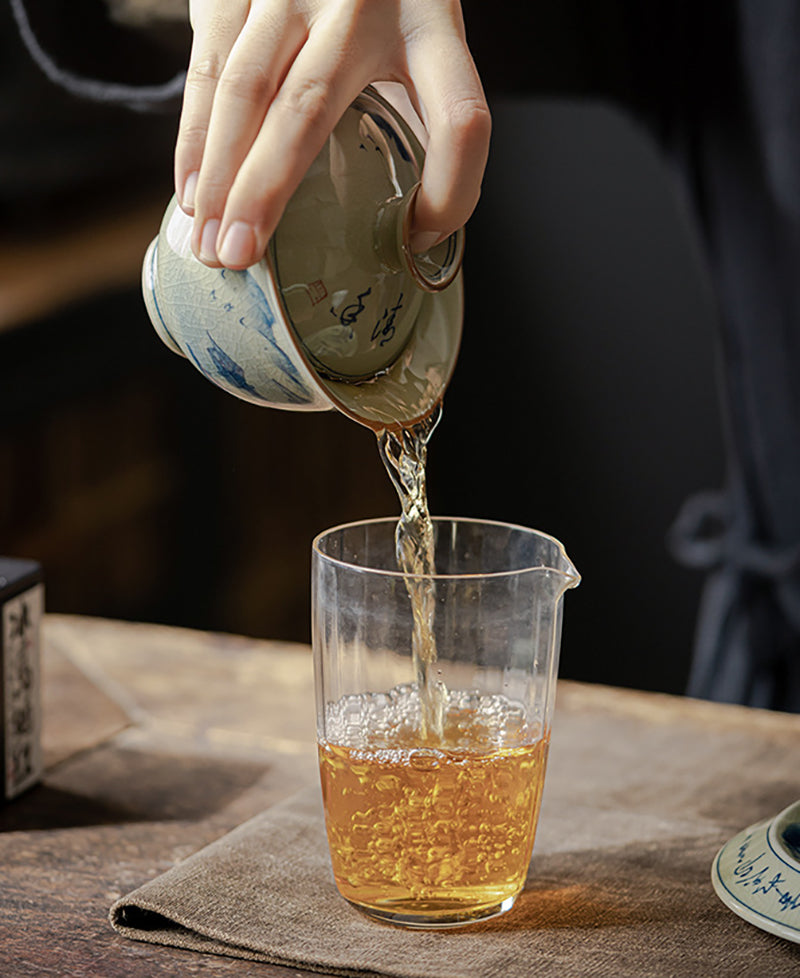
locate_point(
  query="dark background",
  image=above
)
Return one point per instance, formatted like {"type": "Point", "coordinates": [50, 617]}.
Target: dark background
{"type": "Point", "coordinates": [584, 402]}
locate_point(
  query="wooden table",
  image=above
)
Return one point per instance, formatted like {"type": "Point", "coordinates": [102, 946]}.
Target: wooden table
{"type": "Point", "coordinates": [159, 740]}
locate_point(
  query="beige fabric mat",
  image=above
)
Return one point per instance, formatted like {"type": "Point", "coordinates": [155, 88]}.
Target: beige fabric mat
{"type": "Point", "coordinates": [612, 891]}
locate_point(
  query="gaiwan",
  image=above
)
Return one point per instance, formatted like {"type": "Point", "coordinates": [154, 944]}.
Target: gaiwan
{"type": "Point", "coordinates": [339, 313]}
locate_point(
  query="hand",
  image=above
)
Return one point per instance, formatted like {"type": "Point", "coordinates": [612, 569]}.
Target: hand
{"type": "Point", "coordinates": [269, 79]}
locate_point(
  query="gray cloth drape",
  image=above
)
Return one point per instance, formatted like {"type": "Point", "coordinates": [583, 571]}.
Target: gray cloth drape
{"type": "Point", "coordinates": [744, 162]}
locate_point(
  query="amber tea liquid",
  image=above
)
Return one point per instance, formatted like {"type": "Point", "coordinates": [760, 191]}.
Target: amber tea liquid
{"type": "Point", "coordinates": [442, 831]}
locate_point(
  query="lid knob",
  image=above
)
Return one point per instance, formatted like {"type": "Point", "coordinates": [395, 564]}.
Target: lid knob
{"type": "Point", "coordinates": [431, 270]}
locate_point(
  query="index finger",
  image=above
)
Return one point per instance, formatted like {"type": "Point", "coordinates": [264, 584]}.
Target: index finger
{"type": "Point", "coordinates": [315, 93]}
{"type": "Point", "coordinates": [214, 35]}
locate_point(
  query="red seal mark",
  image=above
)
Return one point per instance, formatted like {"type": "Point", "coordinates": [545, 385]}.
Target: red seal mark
{"type": "Point", "coordinates": [317, 291]}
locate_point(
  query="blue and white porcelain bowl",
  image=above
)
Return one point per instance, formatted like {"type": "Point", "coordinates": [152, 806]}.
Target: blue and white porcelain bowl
{"type": "Point", "coordinates": [339, 313]}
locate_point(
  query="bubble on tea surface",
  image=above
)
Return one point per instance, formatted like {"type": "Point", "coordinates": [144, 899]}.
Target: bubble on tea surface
{"type": "Point", "coordinates": [425, 760]}
{"type": "Point", "coordinates": [391, 719]}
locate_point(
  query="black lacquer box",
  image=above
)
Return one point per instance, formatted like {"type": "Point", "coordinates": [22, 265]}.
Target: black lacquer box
{"type": "Point", "coordinates": [21, 610]}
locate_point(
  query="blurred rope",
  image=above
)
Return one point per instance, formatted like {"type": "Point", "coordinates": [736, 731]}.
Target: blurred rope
{"type": "Point", "coordinates": [139, 98]}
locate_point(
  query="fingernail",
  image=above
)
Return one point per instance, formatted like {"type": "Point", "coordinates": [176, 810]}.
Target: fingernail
{"type": "Point", "coordinates": [208, 240]}
{"type": "Point", "coordinates": [422, 241]}
{"type": "Point", "coordinates": [189, 190]}
{"type": "Point", "coordinates": [238, 248]}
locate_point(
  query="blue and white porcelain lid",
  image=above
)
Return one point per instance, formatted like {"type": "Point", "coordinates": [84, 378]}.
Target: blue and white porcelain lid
{"type": "Point", "coordinates": [757, 874]}
{"type": "Point", "coordinates": [352, 291]}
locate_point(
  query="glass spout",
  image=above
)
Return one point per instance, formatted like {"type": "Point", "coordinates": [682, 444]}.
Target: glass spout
{"type": "Point", "coordinates": [569, 576]}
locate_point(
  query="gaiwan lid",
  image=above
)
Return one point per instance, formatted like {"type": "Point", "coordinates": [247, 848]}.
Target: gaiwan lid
{"type": "Point", "coordinates": [379, 325]}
